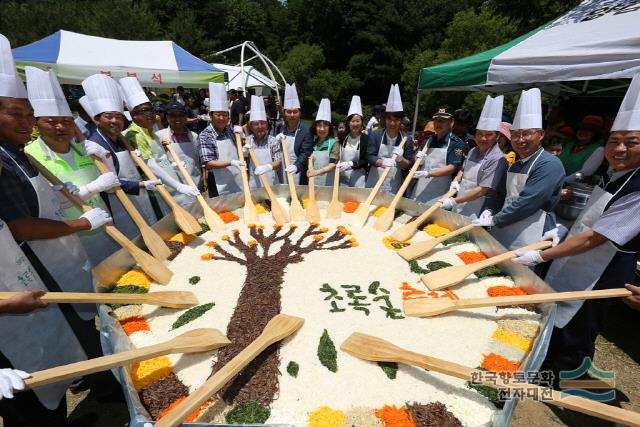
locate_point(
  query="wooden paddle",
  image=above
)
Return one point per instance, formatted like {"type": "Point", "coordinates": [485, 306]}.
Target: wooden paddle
{"type": "Point", "coordinates": [362, 213]}
{"type": "Point", "coordinates": [194, 341]}
{"type": "Point", "coordinates": [375, 349]}
{"type": "Point", "coordinates": [182, 218]}
{"type": "Point", "coordinates": [153, 267]}
{"type": "Point", "coordinates": [418, 249]}
{"type": "Point", "coordinates": [450, 276]}
{"type": "Point", "coordinates": [334, 210]}
{"type": "Point", "coordinates": [249, 211]}
{"type": "Point", "coordinates": [152, 240]}
{"type": "Point", "coordinates": [384, 221]}
{"type": "Point", "coordinates": [406, 231]}
{"type": "Point", "coordinates": [279, 214]}
{"type": "Point", "coordinates": [171, 299]}
{"type": "Point", "coordinates": [427, 307]}
{"type": "Point", "coordinates": [313, 211]}
{"type": "Point", "coordinates": [295, 209]}
{"type": "Point", "coordinates": [278, 328]}
{"type": "Point", "coordinates": [212, 219]}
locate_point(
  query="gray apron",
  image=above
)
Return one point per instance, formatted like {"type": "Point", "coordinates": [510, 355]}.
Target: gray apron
{"type": "Point", "coordinates": [228, 180]}
{"type": "Point", "coordinates": [320, 160]}
{"type": "Point", "coordinates": [469, 182]}
{"type": "Point", "coordinates": [351, 177]}
{"type": "Point", "coordinates": [291, 145]}
{"type": "Point", "coordinates": [394, 179]}
{"type": "Point", "coordinates": [429, 190]}
{"type": "Point", "coordinates": [263, 153]}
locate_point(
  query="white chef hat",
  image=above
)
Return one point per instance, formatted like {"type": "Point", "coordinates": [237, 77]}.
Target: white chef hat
{"type": "Point", "coordinates": [103, 94]}
{"type": "Point", "coordinates": [394, 101]}
{"type": "Point", "coordinates": [491, 116]}
{"type": "Point", "coordinates": [132, 92]}
{"type": "Point", "coordinates": [218, 97]}
{"type": "Point", "coordinates": [324, 110]}
{"type": "Point", "coordinates": [291, 100]}
{"type": "Point", "coordinates": [628, 117]}
{"type": "Point", "coordinates": [45, 93]}
{"type": "Point", "coordinates": [86, 105]}
{"type": "Point", "coordinates": [257, 109]}
{"type": "Point", "coordinates": [355, 107]}
{"type": "Point", "coordinates": [529, 112]}
{"type": "Point", "coordinates": [10, 84]}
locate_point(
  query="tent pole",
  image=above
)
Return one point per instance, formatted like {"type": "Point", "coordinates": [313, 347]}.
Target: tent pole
{"type": "Point", "coordinates": [415, 114]}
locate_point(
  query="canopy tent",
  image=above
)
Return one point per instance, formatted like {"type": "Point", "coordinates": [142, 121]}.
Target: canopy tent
{"type": "Point", "coordinates": [252, 77]}
{"type": "Point", "coordinates": [75, 57]}
{"type": "Point", "coordinates": [590, 50]}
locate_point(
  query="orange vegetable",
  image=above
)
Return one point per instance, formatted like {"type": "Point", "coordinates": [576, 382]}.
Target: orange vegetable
{"type": "Point", "coordinates": [206, 257]}
{"type": "Point", "coordinates": [471, 257]}
{"type": "Point", "coordinates": [228, 216]}
{"type": "Point", "coordinates": [350, 206]}
{"type": "Point", "coordinates": [134, 324]}
{"type": "Point", "coordinates": [191, 418]}
{"type": "Point", "coordinates": [211, 244]}
{"type": "Point", "coordinates": [343, 230]}
{"type": "Point", "coordinates": [225, 237]}
{"type": "Point", "coordinates": [409, 292]}
{"type": "Point", "coordinates": [252, 243]}
{"type": "Point", "coordinates": [392, 416]}
{"type": "Point", "coordinates": [317, 237]}
{"type": "Point", "coordinates": [505, 291]}
{"type": "Point", "coordinates": [496, 363]}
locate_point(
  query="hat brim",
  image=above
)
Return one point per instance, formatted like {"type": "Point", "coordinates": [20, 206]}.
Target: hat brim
{"type": "Point", "coordinates": [442, 116]}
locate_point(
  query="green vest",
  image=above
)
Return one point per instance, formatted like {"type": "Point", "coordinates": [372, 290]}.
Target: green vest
{"type": "Point", "coordinates": [85, 171]}
{"type": "Point", "coordinates": [573, 161]}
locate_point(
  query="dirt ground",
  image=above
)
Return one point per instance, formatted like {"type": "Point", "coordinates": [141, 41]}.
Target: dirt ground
{"type": "Point", "coordinates": [617, 349]}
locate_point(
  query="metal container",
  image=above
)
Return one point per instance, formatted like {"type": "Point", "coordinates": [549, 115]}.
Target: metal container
{"type": "Point", "coordinates": [115, 340]}
{"type": "Point", "coordinates": [571, 209]}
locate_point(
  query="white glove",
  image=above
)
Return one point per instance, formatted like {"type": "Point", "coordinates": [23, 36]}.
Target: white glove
{"type": "Point", "coordinates": [151, 185]}
{"type": "Point", "coordinates": [237, 163]}
{"type": "Point", "coordinates": [238, 129]}
{"type": "Point", "coordinates": [398, 151]}
{"type": "Point", "coordinates": [388, 163]}
{"type": "Point", "coordinates": [97, 217]}
{"type": "Point", "coordinates": [455, 185]}
{"type": "Point", "coordinates": [528, 258]}
{"type": "Point", "coordinates": [262, 169]}
{"type": "Point", "coordinates": [552, 235]}
{"type": "Point", "coordinates": [95, 149]}
{"type": "Point", "coordinates": [448, 204]}
{"type": "Point", "coordinates": [280, 136]}
{"type": "Point", "coordinates": [486, 214]}
{"type": "Point", "coordinates": [484, 221]}
{"type": "Point", "coordinates": [421, 174]}
{"type": "Point", "coordinates": [245, 148]}
{"type": "Point", "coordinates": [104, 182]}
{"type": "Point", "coordinates": [10, 380]}
{"type": "Point", "coordinates": [291, 169]}
{"type": "Point", "coordinates": [189, 190]}
{"type": "Point", "coordinates": [345, 166]}
{"type": "Point", "coordinates": [419, 154]}
{"type": "Point", "coordinates": [70, 186]}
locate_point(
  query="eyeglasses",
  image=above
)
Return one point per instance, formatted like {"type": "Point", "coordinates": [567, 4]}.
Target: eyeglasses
{"type": "Point", "coordinates": [145, 111]}
{"type": "Point", "coordinates": [526, 135]}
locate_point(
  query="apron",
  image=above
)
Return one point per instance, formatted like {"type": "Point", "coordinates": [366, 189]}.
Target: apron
{"type": "Point", "coordinates": [351, 177]}
{"type": "Point", "coordinates": [320, 160]}
{"type": "Point", "coordinates": [263, 154]}
{"type": "Point", "coordinates": [394, 179]}
{"type": "Point", "coordinates": [129, 172]}
{"type": "Point", "coordinates": [188, 153]}
{"type": "Point", "coordinates": [431, 189]}
{"type": "Point", "coordinates": [581, 272]}
{"type": "Point", "coordinates": [64, 257]}
{"type": "Point", "coordinates": [228, 180]}
{"type": "Point", "coordinates": [469, 182]}
{"type": "Point", "coordinates": [291, 146]}
{"type": "Point", "coordinates": [38, 340]}
{"type": "Point", "coordinates": [163, 160]}
{"type": "Point", "coordinates": [528, 230]}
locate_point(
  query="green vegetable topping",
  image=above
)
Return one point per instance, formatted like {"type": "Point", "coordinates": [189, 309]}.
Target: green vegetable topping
{"type": "Point", "coordinates": [327, 352]}
{"type": "Point", "coordinates": [293, 368]}
{"type": "Point", "coordinates": [191, 315]}
{"type": "Point", "coordinates": [249, 412]}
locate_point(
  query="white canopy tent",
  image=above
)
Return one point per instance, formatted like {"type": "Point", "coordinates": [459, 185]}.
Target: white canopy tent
{"type": "Point", "coordinates": [251, 78]}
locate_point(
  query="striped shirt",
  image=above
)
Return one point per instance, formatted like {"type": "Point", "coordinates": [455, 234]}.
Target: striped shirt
{"type": "Point", "coordinates": [207, 142]}
{"type": "Point", "coordinates": [272, 143]}
{"type": "Point", "coordinates": [619, 223]}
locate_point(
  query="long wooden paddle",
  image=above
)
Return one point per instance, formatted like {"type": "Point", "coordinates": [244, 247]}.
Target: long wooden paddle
{"type": "Point", "coordinates": [153, 267]}
{"type": "Point", "coordinates": [334, 210]}
{"type": "Point", "coordinates": [384, 221]}
{"type": "Point", "coordinates": [418, 249]}
{"type": "Point", "coordinates": [376, 349]}
{"type": "Point", "coordinates": [295, 209]}
{"type": "Point", "coordinates": [249, 211]}
{"type": "Point", "coordinates": [362, 213]}
{"type": "Point", "coordinates": [152, 240]}
{"type": "Point", "coordinates": [450, 276]}
{"type": "Point", "coordinates": [406, 231]}
{"type": "Point", "coordinates": [171, 299]}
{"type": "Point", "coordinates": [313, 211]}
{"type": "Point", "coordinates": [279, 214]}
{"type": "Point", "coordinates": [212, 219]}
{"type": "Point", "coordinates": [427, 307]}
{"type": "Point", "coordinates": [194, 341]}
{"type": "Point", "coordinates": [182, 218]}
{"type": "Point", "coordinates": [278, 328]}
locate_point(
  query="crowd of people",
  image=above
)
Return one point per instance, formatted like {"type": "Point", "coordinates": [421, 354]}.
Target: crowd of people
{"type": "Point", "coordinates": [508, 175]}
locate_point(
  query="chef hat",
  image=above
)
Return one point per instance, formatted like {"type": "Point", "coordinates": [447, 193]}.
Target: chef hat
{"type": "Point", "coordinates": [628, 117]}
{"type": "Point", "coordinates": [291, 100]}
{"type": "Point", "coordinates": [355, 107]}
{"type": "Point", "coordinates": [86, 105]}
{"type": "Point", "coordinates": [257, 109]}
{"type": "Point", "coordinates": [10, 84]}
{"type": "Point", "coordinates": [394, 102]}
{"type": "Point", "coordinates": [103, 94]}
{"type": "Point", "coordinates": [45, 93]}
{"type": "Point", "coordinates": [529, 111]}
{"type": "Point", "coordinates": [132, 92]}
{"type": "Point", "coordinates": [218, 97]}
{"type": "Point", "coordinates": [324, 110]}
{"type": "Point", "coordinates": [491, 115]}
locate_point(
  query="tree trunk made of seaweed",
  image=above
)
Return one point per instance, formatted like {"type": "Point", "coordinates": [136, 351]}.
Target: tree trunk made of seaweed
{"type": "Point", "coordinates": [260, 299]}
